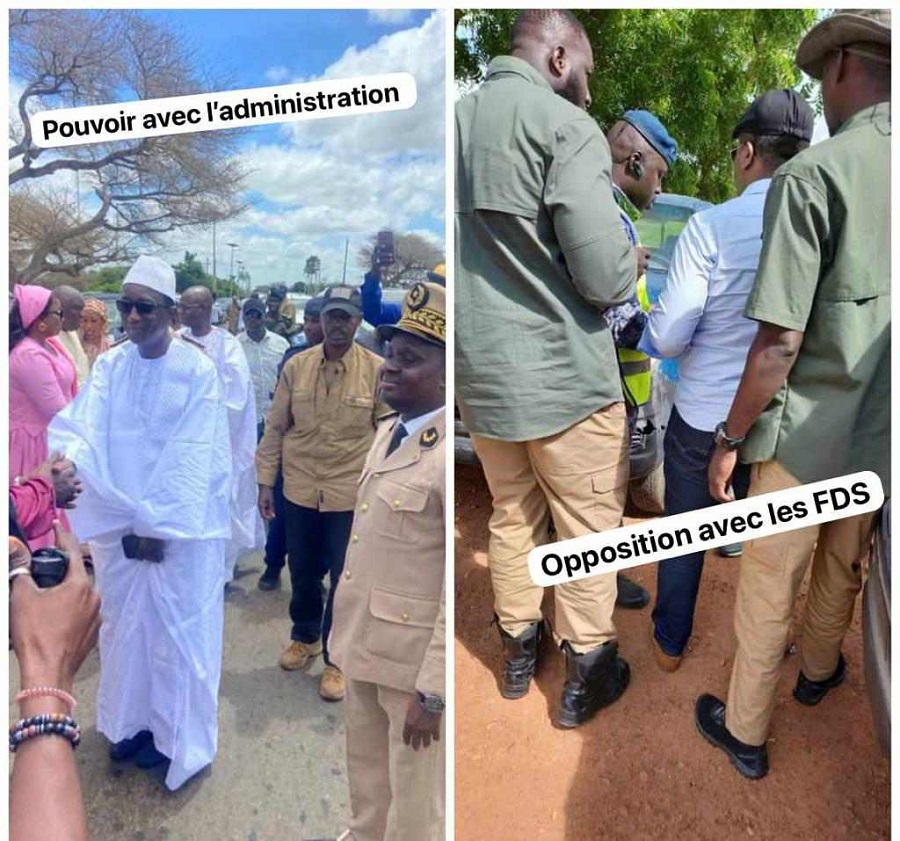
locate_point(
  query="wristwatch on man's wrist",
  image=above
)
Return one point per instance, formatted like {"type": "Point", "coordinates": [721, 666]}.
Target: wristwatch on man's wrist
{"type": "Point", "coordinates": [430, 703]}
{"type": "Point", "coordinates": [724, 440]}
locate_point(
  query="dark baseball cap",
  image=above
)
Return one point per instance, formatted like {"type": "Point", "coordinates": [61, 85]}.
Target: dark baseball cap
{"type": "Point", "coordinates": [345, 298]}
{"type": "Point", "coordinates": [776, 114]}
{"type": "Point", "coordinates": [313, 307]}
{"type": "Point", "coordinates": [254, 305]}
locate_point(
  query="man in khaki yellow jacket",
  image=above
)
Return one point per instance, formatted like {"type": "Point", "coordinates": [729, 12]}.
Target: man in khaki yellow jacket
{"type": "Point", "coordinates": [388, 632]}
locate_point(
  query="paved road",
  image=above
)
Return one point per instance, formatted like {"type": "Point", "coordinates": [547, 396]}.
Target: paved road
{"type": "Point", "coordinates": [279, 774]}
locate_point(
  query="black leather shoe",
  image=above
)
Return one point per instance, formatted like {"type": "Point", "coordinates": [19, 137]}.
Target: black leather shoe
{"type": "Point", "coordinates": [750, 760]}
{"type": "Point", "coordinates": [810, 692]}
{"type": "Point", "coordinates": [593, 680]}
{"type": "Point", "coordinates": [520, 660]}
{"type": "Point", "coordinates": [630, 594]}
{"type": "Point", "coordinates": [270, 580]}
{"type": "Point", "coordinates": [128, 748]}
{"type": "Point", "coordinates": [149, 757]}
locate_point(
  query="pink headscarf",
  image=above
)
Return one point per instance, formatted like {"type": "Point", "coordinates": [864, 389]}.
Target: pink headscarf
{"type": "Point", "coordinates": [32, 301]}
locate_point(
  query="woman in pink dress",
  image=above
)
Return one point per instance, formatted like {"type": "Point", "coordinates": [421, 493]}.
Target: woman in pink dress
{"type": "Point", "coordinates": [41, 376]}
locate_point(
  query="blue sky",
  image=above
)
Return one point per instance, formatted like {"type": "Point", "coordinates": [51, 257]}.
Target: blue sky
{"type": "Point", "coordinates": [314, 184]}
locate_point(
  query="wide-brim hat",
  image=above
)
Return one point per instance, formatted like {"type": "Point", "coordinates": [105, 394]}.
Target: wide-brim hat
{"type": "Point", "coordinates": [846, 26]}
{"type": "Point", "coordinates": [424, 315]}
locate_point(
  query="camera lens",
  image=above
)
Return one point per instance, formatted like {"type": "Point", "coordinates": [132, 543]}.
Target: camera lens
{"type": "Point", "coordinates": [49, 567]}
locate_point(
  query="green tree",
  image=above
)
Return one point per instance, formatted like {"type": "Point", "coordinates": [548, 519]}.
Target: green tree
{"type": "Point", "coordinates": [190, 272]}
{"type": "Point", "coordinates": [106, 279]}
{"type": "Point", "coordinates": [697, 70]}
{"type": "Point", "coordinates": [312, 270]}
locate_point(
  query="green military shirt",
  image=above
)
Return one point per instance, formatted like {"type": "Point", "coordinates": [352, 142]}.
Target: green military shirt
{"type": "Point", "coordinates": [540, 253]}
{"type": "Point", "coordinates": [825, 270]}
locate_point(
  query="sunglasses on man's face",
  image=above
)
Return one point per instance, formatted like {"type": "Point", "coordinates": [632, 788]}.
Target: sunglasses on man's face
{"type": "Point", "coordinates": [124, 306]}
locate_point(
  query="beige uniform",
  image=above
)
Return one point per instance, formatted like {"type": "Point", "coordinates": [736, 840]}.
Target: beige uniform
{"type": "Point", "coordinates": [388, 636]}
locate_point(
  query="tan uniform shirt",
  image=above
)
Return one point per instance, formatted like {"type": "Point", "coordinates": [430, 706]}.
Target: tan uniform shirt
{"type": "Point", "coordinates": [389, 605]}
{"type": "Point", "coordinates": [320, 427]}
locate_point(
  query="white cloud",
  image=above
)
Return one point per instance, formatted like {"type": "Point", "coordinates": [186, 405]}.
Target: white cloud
{"type": "Point", "coordinates": [390, 16]}
{"type": "Point", "coordinates": [278, 75]}
{"type": "Point", "coordinates": [345, 177]}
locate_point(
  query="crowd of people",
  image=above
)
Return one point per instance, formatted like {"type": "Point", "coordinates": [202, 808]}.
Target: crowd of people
{"type": "Point", "coordinates": [161, 456]}
{"type": "Point", "coordinates": [775, 306]}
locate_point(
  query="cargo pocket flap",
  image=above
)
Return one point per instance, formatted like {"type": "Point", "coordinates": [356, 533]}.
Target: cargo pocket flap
{"type": "Point", "coordinates": [403, 497]}
{"type": "Point", "coordinates": [359, 402]}
{"type": "Point", "coordinates": [402, 609]}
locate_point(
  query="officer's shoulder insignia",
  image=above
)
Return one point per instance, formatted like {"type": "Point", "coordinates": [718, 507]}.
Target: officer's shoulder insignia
{"type": "Point", "coordinates": [417, 297]}
{"type": "Point", "coordinates": [429, 438]}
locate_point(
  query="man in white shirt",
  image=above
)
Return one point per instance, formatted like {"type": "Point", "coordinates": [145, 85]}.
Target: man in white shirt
{"type": "Point", "coordinates": [264, 351]}
{"type": "Point", "coordinates": [149, 434]}
{"type": "Point", "coordinates": [236, 389]}
{"type": "Point", "coordinates": [700, 318]}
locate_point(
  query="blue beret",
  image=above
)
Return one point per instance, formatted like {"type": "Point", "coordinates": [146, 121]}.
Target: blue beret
{"type": "Point", "coordinates": [654, 133]}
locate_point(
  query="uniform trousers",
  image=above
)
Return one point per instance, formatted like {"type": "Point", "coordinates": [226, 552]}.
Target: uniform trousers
{"type": "Point", "coordinates": [579, 477]}
{"type": "Point", "coordinates": [772, 569]}
{"type": "Point", "coordinates": [396, 793]}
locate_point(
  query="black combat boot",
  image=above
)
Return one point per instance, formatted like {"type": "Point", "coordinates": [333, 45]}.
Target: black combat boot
{"type": "Point", "coordinates": [593, 681]}
{"type": "Point", "coordinates": [521, 658]}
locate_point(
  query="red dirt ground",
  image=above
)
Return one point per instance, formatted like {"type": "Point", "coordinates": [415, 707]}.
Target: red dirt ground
{"type": "Point", "coordinates": [639, 770]}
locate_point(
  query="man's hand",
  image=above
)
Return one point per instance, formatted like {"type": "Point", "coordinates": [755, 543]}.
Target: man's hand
{"type": "Point", "coordinates": [54, 629]}
{"type": "Point", "coordinates": [721, 468]}
{"type": "Point", "coordinates": [266, 502]}
{"type": "Point", "coordinates": [643, 259]}
{"type": "Point", "coordinates": [66, 484]}
{"type": "Point", "coordinates": [420, 726]}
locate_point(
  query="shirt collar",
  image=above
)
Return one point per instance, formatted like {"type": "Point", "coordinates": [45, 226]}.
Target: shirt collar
{"type": "Point", "coordinates": [625, 204]}
{"type": "Point", "coordinates": [415, 424]}
{"type": "Point", "coordinates": [343, 361]}
{"type": "Point", "coordinates": [510, 65]}
{"type": "Point", "coordinates": [879, 114]}
{"type": "Point", "coordinates": [760, 186]}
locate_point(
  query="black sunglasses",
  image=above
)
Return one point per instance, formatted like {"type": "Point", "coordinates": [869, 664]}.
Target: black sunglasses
{"type": "Point", "coordinates": [124, 306]}
{"type": "Point", "coordinates": [57, 313]}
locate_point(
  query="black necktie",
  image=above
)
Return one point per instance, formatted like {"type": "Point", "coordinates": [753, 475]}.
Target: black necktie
{"type": "Point", "coordinates": [399, 434]}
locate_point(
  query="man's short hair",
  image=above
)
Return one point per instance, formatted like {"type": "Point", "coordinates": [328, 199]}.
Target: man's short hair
{"type": "Point", "coordinates": [537, 24]}
{"type": "Point", "coordinates": [775, 151]}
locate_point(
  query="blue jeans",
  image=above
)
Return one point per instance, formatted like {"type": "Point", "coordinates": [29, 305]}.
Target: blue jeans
{"type": "Point", "coordinates": [317, 543]}
{"type": "Point", "coordinates": [687, 455]}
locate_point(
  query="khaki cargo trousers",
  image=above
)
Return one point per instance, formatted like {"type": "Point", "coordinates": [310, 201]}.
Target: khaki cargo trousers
{"type": "Point", "coordinates": [579, 477]}
{"type": "Point", "coordinates": [772, 569]}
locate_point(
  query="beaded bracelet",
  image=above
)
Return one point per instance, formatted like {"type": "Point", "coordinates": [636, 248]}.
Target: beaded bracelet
{"type": "Point", "coordinates": [47, 724]}
{"type": "Point", "coordinates": [48, 692]}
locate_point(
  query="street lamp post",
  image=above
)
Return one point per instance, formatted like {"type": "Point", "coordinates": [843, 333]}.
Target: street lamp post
{"type": "Point", "coordinates": [232, 246]}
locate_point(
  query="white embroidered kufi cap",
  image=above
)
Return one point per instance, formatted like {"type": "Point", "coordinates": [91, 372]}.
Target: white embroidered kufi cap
{"type": "Point", "coordinates": [153, 273]}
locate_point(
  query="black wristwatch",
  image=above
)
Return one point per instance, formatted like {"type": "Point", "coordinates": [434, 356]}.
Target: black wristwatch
{"type": "Point", "coordinates": [430, 703]}
{"type": "Point", "coordinates": [725, 441]}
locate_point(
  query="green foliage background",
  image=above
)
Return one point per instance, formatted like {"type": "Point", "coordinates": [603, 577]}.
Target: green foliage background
{"type": "Point", "coordinates": [697, 70]}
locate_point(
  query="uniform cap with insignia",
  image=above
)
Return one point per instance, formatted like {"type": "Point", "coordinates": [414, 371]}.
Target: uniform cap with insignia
{"type": "Point", "coordinates": [424, 315]}
{"type": "Point", "coordinates": [866, 32]}
{"type": "Point", "coordinates": [152, 273]}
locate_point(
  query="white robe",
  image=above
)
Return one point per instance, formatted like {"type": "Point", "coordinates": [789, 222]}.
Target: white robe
{"type": "Point", "coordinates": [150, 441]}
{"type": "Point", "coordinates": [236, 388]}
